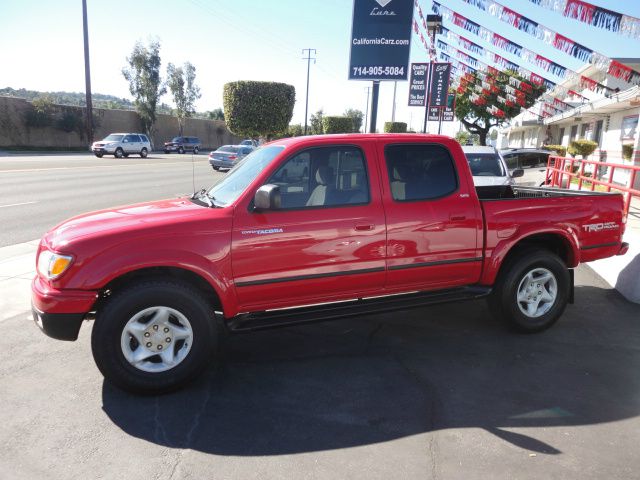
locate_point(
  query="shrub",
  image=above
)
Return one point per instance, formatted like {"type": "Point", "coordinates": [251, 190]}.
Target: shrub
{"type": "Point", "coordinates": [462, 137]}
{"type": "Point", "coordinates": [627, 151]}
{"type": "Point", "coordinates": [559, 149]}
{"type": "Point", "coordinates": [337, 124]}
{"type": "Point", "coordinates": [582, 147]}
{"type": "Point", "coordinates": [41, 113]}
{"type": "Point", "coordinates": [70, 121]}
{"type": "Point", "coordinates": [295, 130]}
{"type": "Point", "coordinates": [254, 109]}
{"type": "Point", "coordinates": [395, 127]}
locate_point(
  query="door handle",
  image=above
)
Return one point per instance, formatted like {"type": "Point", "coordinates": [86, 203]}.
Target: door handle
{"type": "Point", "coordinates": [364, 227]}
{"type": "Point", "coordinates": [457, 218]}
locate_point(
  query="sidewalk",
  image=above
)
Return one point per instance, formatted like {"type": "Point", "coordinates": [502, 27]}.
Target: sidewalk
{"type": "Point", "coordinates": [623, 272]}
{"type": "Point", "coordinates": [17, 269]}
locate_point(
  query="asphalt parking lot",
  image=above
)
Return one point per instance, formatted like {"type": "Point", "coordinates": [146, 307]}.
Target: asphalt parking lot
{"type": "Point", "coordinates": [442, 392]}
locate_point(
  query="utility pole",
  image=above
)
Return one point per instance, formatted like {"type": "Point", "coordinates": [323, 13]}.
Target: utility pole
{"type": "Point", "coordinates": [87, 74]}
{"type": "Point", "coordinates": [308, 59]}
{"type": "Point", "coordinates": [366, 115]}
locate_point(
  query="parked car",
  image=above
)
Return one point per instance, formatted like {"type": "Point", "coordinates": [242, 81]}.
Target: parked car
{"type": "Point", "coordinates": [250, 142]}
{"type": "Point", "coordinates": [182, 144]}
{"type": "Point", "coordinates": [488, 167]}
{"type": "Point", "coordinates": [532, 161]}
{"type": "Point", "coordinates": [122, 145]}
{"type": "Point", "coordinates": [368, 223]}
{"type": "Point", "coordinates": [228, 155]}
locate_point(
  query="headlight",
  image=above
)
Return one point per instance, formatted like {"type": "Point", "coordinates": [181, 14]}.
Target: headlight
{"type": "Point", "coordinates": [51, 265]}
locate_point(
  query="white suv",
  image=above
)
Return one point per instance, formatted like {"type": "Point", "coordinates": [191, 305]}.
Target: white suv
{"type": "Point", "coordinates": [122, 145]}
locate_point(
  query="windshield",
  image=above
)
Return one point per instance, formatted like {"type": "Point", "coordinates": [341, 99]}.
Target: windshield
{"type": "Point", "coordinates": [176, 139]}
{"type": "Point", "coordinates": [113, 138]}
{"type": "Point", "coordinates": [239, 177]}
{"type": "Point", "coordinates": [485, 165]}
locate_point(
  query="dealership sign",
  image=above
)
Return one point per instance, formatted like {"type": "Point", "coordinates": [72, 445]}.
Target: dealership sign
{"type": "Point", "coordinates": [380, 39]}
{"type": "Point", "coordinates": [448, 114]}
{"type": "Point", "coordinates": [440, 73]}
{"type": "Point", "coordinates": [418, 84]}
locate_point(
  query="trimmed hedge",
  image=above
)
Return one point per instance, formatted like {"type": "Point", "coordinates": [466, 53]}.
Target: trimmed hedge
{"type": "Point", "coordinates": [559, 149]}
{"type": "Point", "coordinates": [337, 124]}
{"type": "Point", "coordinates": [395, 127]}
{"type": "Point", "coordinates": [253, 109]}
{"type": "Point", "coordinates": [582, 147]}
{"type": "Point", "coordinates": [627, 151]}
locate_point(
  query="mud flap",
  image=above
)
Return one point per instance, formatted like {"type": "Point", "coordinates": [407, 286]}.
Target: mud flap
{"type": "Point", "coordinates": [571, 286]}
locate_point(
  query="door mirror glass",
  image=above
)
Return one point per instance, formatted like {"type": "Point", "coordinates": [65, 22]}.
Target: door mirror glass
{"type": "Point", "coordinates": [518, 172]}
{"type": "Point", "coordinates": [267, 198]}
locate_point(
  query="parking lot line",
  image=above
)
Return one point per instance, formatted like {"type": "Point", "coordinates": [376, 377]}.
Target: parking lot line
{"type": "Point", "coordinates": [16, 204]}
{"type": "Point", "coordinates": [93, 166]}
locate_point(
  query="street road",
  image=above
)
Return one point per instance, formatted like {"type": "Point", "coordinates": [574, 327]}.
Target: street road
{"type": "Point", "coordinates": [39, 191]}
{"type": "Point", "coordinates": [434, 393]}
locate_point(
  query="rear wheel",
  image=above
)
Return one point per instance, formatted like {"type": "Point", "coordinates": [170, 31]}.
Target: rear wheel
{"type": "Point", "coordinates": [153, 337]}
{"type": "Point", "coordinates": [532, 290]}
{"type": "Point", "coordinates": [119, 153]}
{"type": "Point", "coordinates": [143, 153]}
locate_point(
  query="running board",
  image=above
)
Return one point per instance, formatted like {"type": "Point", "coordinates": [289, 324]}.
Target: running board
{"type": "Point", "coordinates": [248, 322]}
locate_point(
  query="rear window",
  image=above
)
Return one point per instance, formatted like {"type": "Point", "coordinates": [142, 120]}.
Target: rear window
{"type": "Point", "coordinates": [485, 165]}
{"type": "Point", "coordinates": [228, 149]}
{"type": "Point", "coordinates": [420, 172]}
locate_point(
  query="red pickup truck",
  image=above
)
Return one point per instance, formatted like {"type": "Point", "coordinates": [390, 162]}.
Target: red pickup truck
{"type": "Point", "coordinates": [307, 229]}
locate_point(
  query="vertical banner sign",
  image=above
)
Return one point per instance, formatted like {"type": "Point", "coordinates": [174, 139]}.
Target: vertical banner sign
{"type": "Point", "coordinates": [418, 85]}
{"type": "Point", "coordinates": [448, 114]}
{"type": "Point", "coordinates": [434, 114]}
{"type": "Point", "coordinates": [440, 73]}
{"type": "Point", "coordinates": [380, 39]}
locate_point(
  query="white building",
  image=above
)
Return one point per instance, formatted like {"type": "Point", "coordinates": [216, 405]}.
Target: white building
{"type": "Point", "coordinates": [609, 119]}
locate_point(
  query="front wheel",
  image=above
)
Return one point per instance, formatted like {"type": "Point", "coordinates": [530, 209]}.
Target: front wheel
{"type": "Point", "coordinates": [143, 153]}
{"type": "Point", "coordinates": [195, 150]}
{"type": "Point", "coordinates": [153, 337]}
{"type": "Point", "coordinates": [119, 153]}
{"type": "Point", "coordinates": [99, 155]}
{"type": "Point", "coordinates": [532, 290]}
{"type": "Point", "coordinates": [180, 150]}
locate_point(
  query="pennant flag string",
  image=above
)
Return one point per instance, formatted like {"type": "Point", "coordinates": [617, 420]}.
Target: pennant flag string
{"type": "Point", "coordinates": [590, 14]}
{"type": "Point", "coordinates": [556, 40]}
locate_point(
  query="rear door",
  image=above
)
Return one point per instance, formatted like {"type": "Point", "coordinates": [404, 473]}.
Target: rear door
{"type": "Point", "coordinates": [326, 243]}
{"type": "Point", "coordinates": [433, 227]}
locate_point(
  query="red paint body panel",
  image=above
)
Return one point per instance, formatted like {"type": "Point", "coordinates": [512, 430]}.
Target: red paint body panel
{"type": "Point", "coordinates": [311, 254]}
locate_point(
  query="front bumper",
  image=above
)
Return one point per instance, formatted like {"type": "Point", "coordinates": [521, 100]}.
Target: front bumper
{"type": "Point", "coordinates": [110, 150]}
{"type": "Point", "coordinates": [59, 313]}
{"type": "Point", "coordinates": [61, 326]}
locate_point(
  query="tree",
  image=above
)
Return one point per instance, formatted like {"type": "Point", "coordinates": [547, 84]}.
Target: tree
{"type": "Point", "coordinates": [356, 116]}
{"type": "Point", "coordinates": [185, 92]}
{"type": "Point", "coordinates": [337, 124]}
{"type": "Point", "coordinates": [316, 123]}
{"type": "Point", "coordinates": [145, 84]}
{"type": "Point", "coordinates": [258, 108]}
{"type": "Point", "coordinates": [473, 111]}
{"type": "Point", "coordinates": [216, 114]}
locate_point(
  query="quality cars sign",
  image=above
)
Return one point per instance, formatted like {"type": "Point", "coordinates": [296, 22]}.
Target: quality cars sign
{"type": "Point", "coordinates": [380, 39]}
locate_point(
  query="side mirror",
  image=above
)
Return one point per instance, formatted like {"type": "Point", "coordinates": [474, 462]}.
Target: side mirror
{"type": "Point", "coordinates": [518, 172]}
{"type": "Point", "coordinates": [267, 198]}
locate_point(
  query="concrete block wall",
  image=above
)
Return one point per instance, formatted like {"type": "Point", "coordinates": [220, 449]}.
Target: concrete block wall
{"type": "Point", "coordinates": [14, 132]}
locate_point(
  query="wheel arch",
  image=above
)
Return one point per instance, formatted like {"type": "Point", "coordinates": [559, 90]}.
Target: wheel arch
{"type": "Point", "coordinates": [556, 242]}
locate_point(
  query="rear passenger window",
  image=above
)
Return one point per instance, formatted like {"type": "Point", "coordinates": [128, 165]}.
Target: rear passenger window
{"type": "Point", "coordinates": [420, 172]}
{"type": "Point", "coordinates": [326, 176]}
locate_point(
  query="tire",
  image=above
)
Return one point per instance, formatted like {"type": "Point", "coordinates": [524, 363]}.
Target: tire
{"type": "Point", "coordinates": [195, 150]}
{"type": "Point", "coordinates": [143, 153]}
{"type": "Point", "coordinates": [527, 309]}
{"type": "Point", "coordinates": [180, 150]}
{"type": "Point", "coordinates": [125, 155]}
{"type": "Point", "coordinates": [119, 153]}
{"type": "Point", "coordinates": [132, 314]}
{"type": "Point", "coordinates": [166, 151]}
{"type": "Point", "coordinates": [216, 169]}
{"type": "Point", "coordinates": [99, 155]}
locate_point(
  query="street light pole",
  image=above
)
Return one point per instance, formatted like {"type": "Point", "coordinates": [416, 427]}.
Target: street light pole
{"type": "Point", "coordinates": [393, 110]}
{"type": "Point", "coordinates": [308, 59]}
{"type": "Point", "coordinates": [87, 74]}
{"type": "Point", "coordinates": [366, 115]}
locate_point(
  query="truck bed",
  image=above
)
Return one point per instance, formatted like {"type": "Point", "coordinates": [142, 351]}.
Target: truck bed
{"type": "Point", "coordinates": [508, 192]}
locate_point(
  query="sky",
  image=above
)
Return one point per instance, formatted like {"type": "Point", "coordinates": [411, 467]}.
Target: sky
{"type": "Point", "coordinates": [41, 46]}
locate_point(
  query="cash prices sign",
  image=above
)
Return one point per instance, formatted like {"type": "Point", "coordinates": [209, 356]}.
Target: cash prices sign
{"type": "Point", "coordinates": [380, 39]}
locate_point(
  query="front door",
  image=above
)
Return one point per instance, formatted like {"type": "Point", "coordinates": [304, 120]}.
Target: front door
{"type": "Point", "coordinates": [325, 243]}
{"type": "Point", "coordinates": [433, 228]}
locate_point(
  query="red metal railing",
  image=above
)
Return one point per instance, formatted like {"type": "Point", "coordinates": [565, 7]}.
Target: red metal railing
{"type": "Point", "coordinates": [562, 170]}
